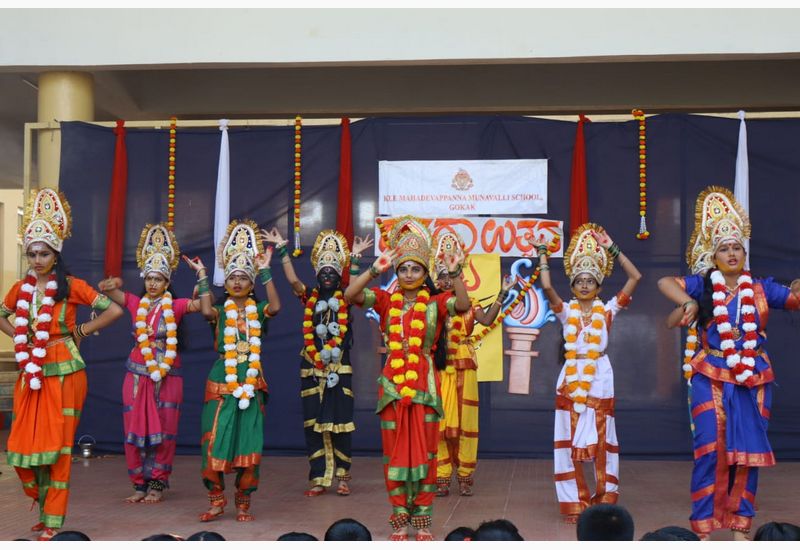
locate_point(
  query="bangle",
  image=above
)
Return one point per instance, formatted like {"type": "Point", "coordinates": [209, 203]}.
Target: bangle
{"type": "Point", "coordinates": [373, 271]}
{"type": "Point", "coordinates": [614, 250]}
{"type": "Point", "coordinates": [687, 303]}
{"type": "Point", "coordinates": [502, 295]}
{"type": "Point", "coordinates": [203, 269]}
{"type": "Point", "coordinates": [354, 270]}
{"type": "Point", "coordinates": [542, 249]}
{"type": "Point", "coordinates": [282, 250]}
{"type": "Point", "coordinates": [544, 267]}
{"type": "Point", "coordinates": [80, 331]}
{"type": "Point", "coordinates": [456, 273]}
{"type": "Point", "coordinates": [355, 256]}
{"type": "Point", "coordinates": [264, 275]}
{"type": "Point", "coordinates": [202, 285]}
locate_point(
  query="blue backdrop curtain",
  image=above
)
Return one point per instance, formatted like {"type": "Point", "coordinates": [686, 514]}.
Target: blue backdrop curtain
{"type": "Point", "coordinates": [685, 154]}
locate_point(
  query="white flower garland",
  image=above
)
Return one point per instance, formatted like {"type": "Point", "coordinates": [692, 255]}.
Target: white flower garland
{"type": "Point", "coordinates": [742, 365]}
{"type": "Point", "coordinates": [157, 370]}
{"type": "Point", "coordinates": [243, 392]}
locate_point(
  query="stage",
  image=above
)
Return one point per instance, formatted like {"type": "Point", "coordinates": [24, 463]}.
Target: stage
{"type": "Point", "coordinates": [521, 490]}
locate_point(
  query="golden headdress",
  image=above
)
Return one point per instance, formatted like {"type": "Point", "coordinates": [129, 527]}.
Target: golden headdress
{"type": "Point", "coordinates": [157, 251]}
{"type": "Point", "coordinates": [239, 247]}
{"type": "Point", "coordinates": [447, 241]}
{"type": "Point", "coordinates": [47, 219]}
{"type": "Point", "coordinates": [412, 240]}
{"type": "Point", "coordinates": [330, 250]}
{"type": "Point", "coordinates": [585, 255]}
{"type": "Point", "coordinates": [718, 218]}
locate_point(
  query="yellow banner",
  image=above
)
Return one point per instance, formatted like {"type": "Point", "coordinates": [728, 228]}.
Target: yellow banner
{"type": "Point", "coordinates": [482, 279]}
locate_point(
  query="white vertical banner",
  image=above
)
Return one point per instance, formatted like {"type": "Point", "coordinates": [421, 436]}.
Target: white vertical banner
{"type": "Point", "coordinates": [741, 186]}
{"type": "Point", "coordinates": [222, 209]}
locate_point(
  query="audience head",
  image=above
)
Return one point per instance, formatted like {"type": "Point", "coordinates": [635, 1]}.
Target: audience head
{"type": "Point", "coordinates": [671, 532]}
{"type": "Point", "coordinates": [498, 529]}
{"type": "Point", "coordinates": [162, 536]}
{"type": "Point", "coordinates": [347, 529]}
{"type": "Point", "coordinates": [605, 522]}
{"type": "Point", "coordinates": [206, 535]}
{"type": "Point", "coordinates": [460, 533]}
{"type": "Point", "coordinates": [70, 535]}
{"type": "Point", "coordinates": [778, 531]}
{"type": "Point", "coordinates": [295, 536]}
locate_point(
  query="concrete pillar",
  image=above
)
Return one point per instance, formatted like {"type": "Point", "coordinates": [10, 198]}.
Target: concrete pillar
{"type": "Point", "coordinates": [63, 95]}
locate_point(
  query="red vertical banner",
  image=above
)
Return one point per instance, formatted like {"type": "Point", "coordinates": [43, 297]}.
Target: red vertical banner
{"type": "Point", "coordinates": [578, 196]}
{"type": "Point", "coordinates": [344, 205]}
{"type": "Point", "coordinates": [115, 228]}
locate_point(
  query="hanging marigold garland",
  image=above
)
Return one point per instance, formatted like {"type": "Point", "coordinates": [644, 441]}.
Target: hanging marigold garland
{"type": "Point", "coordinates": [335, 342]}
{"type": "Point", "coordinates": [171, 177]}
{"type": "Point", "coordinates": [643, 233]}
{"type": "Point", "coordinates": [243, 392]}
{"type": "Point", "coordinates": [298, 135]}
{"type": "Point", "coordinates": [453, 341]}
{"type": "Point", "coordinates": [688, 353]}
{"type": "Point", "coordinates": [32, 362]}
{"type": "Point", "coordinates": [158, 371]}
{"type": "Point", "coordinates": [404, 366]}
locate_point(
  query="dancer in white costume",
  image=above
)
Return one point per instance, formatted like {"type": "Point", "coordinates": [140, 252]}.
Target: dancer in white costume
{"type": "Point", "coordinates": [584, 418]}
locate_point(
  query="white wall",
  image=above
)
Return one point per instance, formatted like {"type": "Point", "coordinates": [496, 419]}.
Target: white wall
{"type": "Point", "coordinates": [90, 37]}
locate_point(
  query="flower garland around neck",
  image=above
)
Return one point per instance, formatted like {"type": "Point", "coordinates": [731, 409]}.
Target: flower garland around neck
{"type": "Point", "coordinates": [158, 370]}
{"type": "Point", "coordinates": [331, 333]}
{"type": "Point", "coordinates": [742, 366]}
{"type": "Point", "coordinates": [247, 391]}
{"type": "Point", "coordinates": [31, 362]}
{"type": "Point", "coordinates": [453, 341]}
{"type": "Point", "coordinates": [578, 386]}
{"type": "Point", "coordinates": [404, 365]}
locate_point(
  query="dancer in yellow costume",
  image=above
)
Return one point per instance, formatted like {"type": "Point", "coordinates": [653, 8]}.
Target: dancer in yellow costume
{"type": "Point", "coordinates": [458, 437]}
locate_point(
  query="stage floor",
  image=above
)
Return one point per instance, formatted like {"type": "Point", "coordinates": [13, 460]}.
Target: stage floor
{"type": "Point", "coordinates": [521, 490]}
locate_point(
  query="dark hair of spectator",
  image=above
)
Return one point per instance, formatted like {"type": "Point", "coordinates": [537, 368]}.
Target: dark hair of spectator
{"type": "Point", "coordinates": [605, 522]}
{"type": "Point", "coordinates": [347, 529]}
{"type": "Point", "coordinates": [70, 535]}
{"type": "Point", "coordinates": [460, 533]}
{"type": "Point", "coordinates": [498, 529]}
{"type": "Point", "coordinates": [206, 535]}
{"type": "Point", "coordinates": [295, 536]}
{"type": "Point", "coordinates": [672, 532]}
{"type": "Point", "coordinates": [778, 531]}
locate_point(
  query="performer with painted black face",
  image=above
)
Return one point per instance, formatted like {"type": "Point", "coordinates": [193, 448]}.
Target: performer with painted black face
{"type": "Point", "coordinates": [326, 386]}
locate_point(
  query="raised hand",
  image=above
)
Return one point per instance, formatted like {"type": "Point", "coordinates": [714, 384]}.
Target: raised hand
{"type": "Point", "coordinates": [263, 259]}
{"type": "Point", "coordinates": [273, 236]}
{"type": "Point", "coordinates": [453, 260]}
{"type": "Point", "coordinates": [195, 263]}
{"type": "Point", "coordinates": [107, 285]}
{"type": "Point", "coordinates": [602, 238]}
{"type": "Point", "coordinates": [508, 282]}
{"type": "Point", "coordinates": [384, 261]}
{"type": "Point", "coordinates": [362, 244]}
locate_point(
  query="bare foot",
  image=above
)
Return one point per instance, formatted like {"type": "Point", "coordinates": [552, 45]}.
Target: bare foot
{"type": "Point", "coordinates": [213, 513]}
{"type": "Point", "coordinates": [343, 489]}
{"type": "Point", "coordinates": [153, 496]}
{"type": "Point", "coordinates": [136, 497]}
{"type": "Point", "coordinates": [571, 519]}
{"type": "Point", "coordinates": [244, 515]}
{"type": "Point", "coordinates": [400, 535]}
{"type": "Point", "coordinates": [315, 491]}
{"type": "Point", "coordinates": [423, 535]}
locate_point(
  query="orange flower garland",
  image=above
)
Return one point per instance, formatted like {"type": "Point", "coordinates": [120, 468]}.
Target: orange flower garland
{"type": "Point", "coordinates": [158, 371]}
{"type": "Point", "coordinates": [298, 134]}
{"type": "Point", "coordinates": [643, 233]}
{"type": "Point", "coordinates": [404, 365]}
{"type": "Point", "coordinates": [243, 392]}
{"type": "Point", "coordinates": [171, 178]}
{"type": "Point", "coordinates": [453, 341]}
{"type": "Point", "coordinates": [308, 328]}
{"type": "Point", "coordinates": [578, 386]}
{"type": "Point", "coordinates": [691, 348]}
